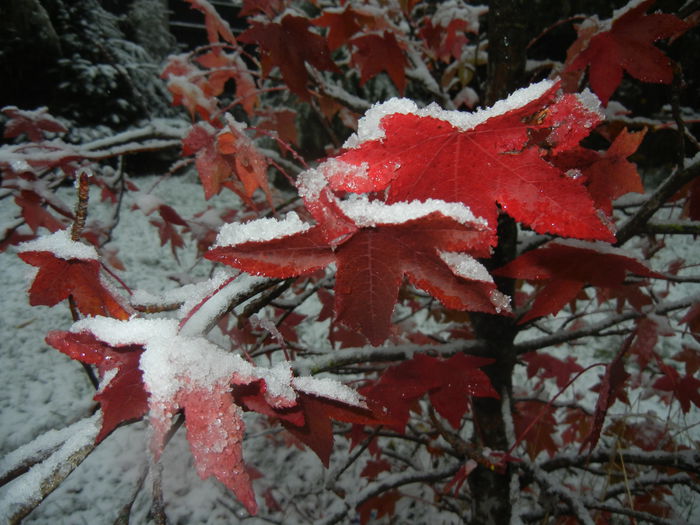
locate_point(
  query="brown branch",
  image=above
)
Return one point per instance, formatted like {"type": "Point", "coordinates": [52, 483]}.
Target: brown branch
{"type": "Point", "coordinates": [685, 460]}
{"type": "Point", "coordinates": [679, 228]}
{"type": "Point", "coordinates": [663, 193]}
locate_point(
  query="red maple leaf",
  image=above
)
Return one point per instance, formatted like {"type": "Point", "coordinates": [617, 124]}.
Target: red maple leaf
{"type": "Point", "coordinates": [35, 214]}
{"type": "Point", "coordinates": [161, 372]}
{"type": "Point", "coordinates": [372, 260]}
{"type": "Point", "coordinates": [609, 390]}
{"type": "Point", "coordinates": [33, 123]}
{"type": "Point", "coordinates": [445, 43]}
{"type": "Point", "coordinates": [565, 267]}
{"type": "Point", "coordinates": [448, 382]}
{"type": "Point", "coordinates": [482, 159]}
{"type": "Point", "coordinates": [344, 24]}
{"type": "Point", "coordinates": [378, 506]}
{"type": "Point", "coordinates": [686, 389]}
{"type": "Point", "coordinates": [219, 155]}
{"type": "Point", "coordinates": [123, 398]}
{"type": "Point", "coordinates": [545, 366]}
{"type": "Point", "coordinates": [537, 419]}
{"type": "Point", "coordinates": [217, 28]}
{"type": "Point", "coordinates": [225, 67]}
{"type": "Point", "coordinates": [275, 38]}
{"type": "Point", "coordinates": [74, 273]}
{"type": "Point", "coordinates": [608, 175]}
{"type": "Point", "coordinates": [627, 46]}
{"type": "Point", "coordinates": [376, 53]}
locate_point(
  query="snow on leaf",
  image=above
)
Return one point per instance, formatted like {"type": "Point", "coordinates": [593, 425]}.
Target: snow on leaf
{"type": "Point", "coordinates": [565, 267]}
{"type": "Point", "coordinates": [627, 45]}
{"type": "Point", "coordinates": [483, 159]}
{"type": "Point", "coordinates": [69, 269]}
{"type": "Point", "coordinates": [147, 366]}
{"type": "Point", "coordinates": [391, 241]}
{"type": "Point", "coordinates": [217, 28]}
{"type": "Point", "coordinates": [33, 123]}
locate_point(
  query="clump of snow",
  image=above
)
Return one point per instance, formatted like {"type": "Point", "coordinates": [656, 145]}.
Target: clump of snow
{"type": "Point", "coordinates": [369, 127]}
{"type": "Point", "coordinates": [310, 183]}
{"type": "Point", "coordinates": [464, 265]}
{"type": "Point", "coordinates": [61, 245]}
{"type": "Point", "coordinates": [591, 102]}
{"type": "Point", "coordinates": [328, 388]}
{"type": "Point", "coordinates": [617, 13]}
{"type": "Point", "coordinates": [451, 10]}
{"type": "Point", "coordinates": [260, 230]}
{"type": "Point", "coordinates": [500, 301]}
{"type": "Point", "coordinates": [366, 213]}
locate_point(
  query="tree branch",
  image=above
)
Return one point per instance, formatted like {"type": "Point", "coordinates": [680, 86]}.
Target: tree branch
{"type": "Point", "coordinates": [665, 191]}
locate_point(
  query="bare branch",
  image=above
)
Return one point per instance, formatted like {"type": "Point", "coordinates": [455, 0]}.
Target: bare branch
{"type": "Point", "coordinates": [664, 192]}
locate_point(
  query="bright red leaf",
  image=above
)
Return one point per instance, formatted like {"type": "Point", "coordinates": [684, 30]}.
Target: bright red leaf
{"type": "Point", "coordinates": [372, 261]}
{"type": "Point", "coordinates": [537, 419]}
{"type": "Point", "coordinates": [628, 46]}
{"type": "Point", "coordinates": [274, 40]}
{"type": "Point", "coordinates": [483, 159]}
{"type": "Point", "coordinates": [565, 267]}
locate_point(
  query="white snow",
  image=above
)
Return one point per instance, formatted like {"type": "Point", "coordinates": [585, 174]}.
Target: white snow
{"type": "Point", "coordinates": [366, 213]}
{"type": "Point", "coordinates": [369, 127]}
{"type": "Point", "coordinates": [464, 265]}
{"type": "Point", "coordinates": [61, 245]}
{"type": "Point", "coordinates": [328, 388]}
{"type": "Point", "coordinates": [260, 230]}
{"type": "Point", "coordinates": [28, 488]}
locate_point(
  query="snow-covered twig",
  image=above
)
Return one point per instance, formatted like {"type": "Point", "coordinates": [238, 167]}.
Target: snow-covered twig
{"type": "Point", "coordinates": [348, 356]}
{"type": "Point", "coordinates": [598, 327]}
{"type": "Point", "coordinates": [552, 486]}
{"type": "Point", "coordinates": [664, 192]}
{"type": "Point", "coordinates": [30, 489]}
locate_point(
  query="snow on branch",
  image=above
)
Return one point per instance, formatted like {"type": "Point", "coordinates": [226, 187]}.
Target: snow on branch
{"type": "Point", "coordinates": [26, 492]}
{"type": "Point", "coordinates": [596, 328]}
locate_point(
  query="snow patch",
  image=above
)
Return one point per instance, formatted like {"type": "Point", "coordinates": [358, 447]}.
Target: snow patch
{"type": "Point", "coordinates": [369, 127]}
{"type": "Point", "coordinates": [464, 265]}
{"type": "Point", "coordinates": [260, 230]}
{"type": "Point", "coordinates": [366, 213]}
{"type": "Point", "coordinates": [60, 245]}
